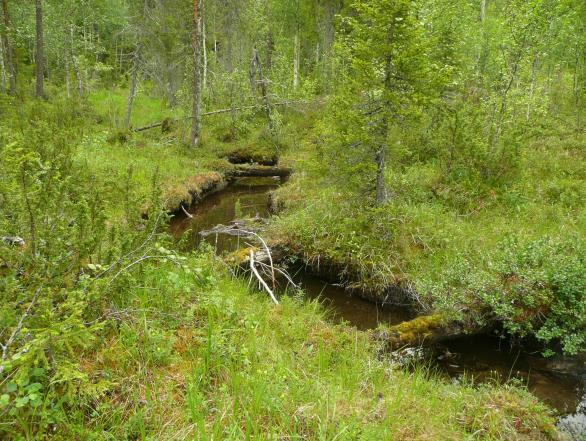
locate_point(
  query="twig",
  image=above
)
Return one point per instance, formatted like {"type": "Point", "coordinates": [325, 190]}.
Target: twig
{"type": "Point", "coordinates": [18, 328]}
{"type": "Point", "coordinates": [235, 231]}
{"type": "Point", "coordinates": [283, 273]}
{"type": "Point", "coordinates": [147, 240]}
{"type": "Point", "coordinates": [189, 215]}
{"type": "Point", "coordinates": [136, 262]}
{"type": "Point", "coordinates": [260, 279]}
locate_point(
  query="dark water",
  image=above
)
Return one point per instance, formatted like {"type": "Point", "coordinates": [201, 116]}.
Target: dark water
{"type": "Point", "coordinates": [350, 308]}
{"type": "Point", "coordinates": [483, 358]}
{"type": "Point", "coordinates": [247, 197]}
{"type": "Point", "coordinates": [478, 358]}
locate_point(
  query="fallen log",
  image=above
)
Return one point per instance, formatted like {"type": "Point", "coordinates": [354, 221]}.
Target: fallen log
{"type": "Point", "coordinates": [216, 112]}
{"type": "Point", "coordinates": [240, 157]}
{"type": "Point", "coordinates": [258, 172]}
{"type": "Point", "coordinates": [424, 330]}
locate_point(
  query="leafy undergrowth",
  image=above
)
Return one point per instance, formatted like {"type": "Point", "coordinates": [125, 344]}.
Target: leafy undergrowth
{"type": "Point", "coordinates": [514, 252]}
{"type": "Point", "coordinates": [186, 351]}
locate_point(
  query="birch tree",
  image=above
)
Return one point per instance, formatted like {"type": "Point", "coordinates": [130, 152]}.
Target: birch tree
{"type": "Point", "coordinates": [197, 67]}
{"type": "Point", "coordinates": [39, 50]}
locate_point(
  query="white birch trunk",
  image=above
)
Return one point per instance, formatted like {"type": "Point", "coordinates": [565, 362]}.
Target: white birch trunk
{"type": "Point", "coordinates": [296, 63]}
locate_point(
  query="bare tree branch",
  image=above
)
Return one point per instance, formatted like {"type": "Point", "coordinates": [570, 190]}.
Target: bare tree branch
{"type": "Point", "coordinates": [18, 328]}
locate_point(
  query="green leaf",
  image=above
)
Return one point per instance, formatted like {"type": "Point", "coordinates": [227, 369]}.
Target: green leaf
{"type": "Point", "coordinates": [21, 401]}
{"type": "Point", "coordinates": [4, 400]}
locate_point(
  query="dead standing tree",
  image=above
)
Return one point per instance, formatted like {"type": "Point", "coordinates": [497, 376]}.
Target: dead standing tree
{"type": "Point", "coordinates": [257, 79]}
{"type": "Point", "coordinates": [136, 61]}
{"type": "Point", "coordinates": [197, 67]}
{"type": "Point", "coordinates": [40, 49]}
{"type": "Point", "coordinates": [133, 85]}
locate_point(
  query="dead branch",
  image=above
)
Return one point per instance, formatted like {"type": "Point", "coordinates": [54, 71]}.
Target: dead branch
{"type": "Point", "coordinates": [238, 229]}
{"type": "Point", "coordinates": [242, 171]}
{"type": "Point", "coordinates": [260, 279]}
{"type": "Point", "coordinates": [17, 329]}
{"type": "Point", "coordinates": [217, 112]}
{"type": "Point", "coordinates": [280, 271]}
{"type": "Point", "coordinates": [136, 262]}
{"type": "Point", "coordinates": [189, 215]}
{"type": "Point", "coordinates": [141, 246]}
{"type": "Point", "coordinates": [13, 241]}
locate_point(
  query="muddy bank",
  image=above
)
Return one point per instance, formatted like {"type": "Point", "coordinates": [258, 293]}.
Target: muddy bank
{"type": "Point", "coordinates": [416, 329]}
{"type": "Point", "coordinates": [243, 156]}
{"type": "Point", "coordinates": [195, 189]}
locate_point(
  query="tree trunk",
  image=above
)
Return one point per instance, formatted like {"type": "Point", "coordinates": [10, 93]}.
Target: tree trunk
{"type": "Point", "coordinates": [4, 79]}
{"type": "Point", "coordinates": [296, 63]}
{"type": "Point", "coordinates": [77, 74]}
{"type": "Point", "coordinates": [483, 50]}
{"type": "Point", "coordinates": [270, 50]}
{"type": "Point", "coordinates": [256, 68]}
{"type": "Point", "coordinates": [196, 43]}
{"type": "Point", "coordinates": [40, 56]}
{"type": "Point", "coordinates": [499, 117]}
{"type": "Point", "coordinates": [9, 58]}
{"type": "Point", "coordinates": [579, 83]}
{"type": "Point", "coordinates": [381, 189]}
{"type": "Point", "coordinates": [76, 71]}
{"type": "Point", "coordinates": [297, 51]}
{"type": "Point", "coordinates": [205, 54]}
{"type": "Point", "coordinates": [133, 84]}
{"type": "Point", "coordinates": [532, 88]}
{"type": "Point", "coordinates": [67, 75]}
{"type": "Point", "coordinates": [383, 129]}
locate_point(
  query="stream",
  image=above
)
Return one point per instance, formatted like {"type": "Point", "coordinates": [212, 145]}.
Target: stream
{"type": "Point", "coordinates": [479, 358]}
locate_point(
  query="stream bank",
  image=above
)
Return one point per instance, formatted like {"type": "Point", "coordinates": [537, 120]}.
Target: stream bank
{"type": "Point", "coordinates": [477, 358]}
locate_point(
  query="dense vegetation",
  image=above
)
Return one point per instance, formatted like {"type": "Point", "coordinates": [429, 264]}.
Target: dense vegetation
{"type": "Point", "coordinates": [437, 145]}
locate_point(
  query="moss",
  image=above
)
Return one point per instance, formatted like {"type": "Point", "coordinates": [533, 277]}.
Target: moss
{"type": "Point", "coordinates": [246, 156]}
{"type": "Point", "coordinates": [168, 125]}
{"type": "Point", "coordinates": [119, 136]}
{"type": "Point", "coordinates": [191, 190]}
{"type": "Point", "coordinates": [418, 330]}
{"type": "Point", "coordinates": [240, 257]}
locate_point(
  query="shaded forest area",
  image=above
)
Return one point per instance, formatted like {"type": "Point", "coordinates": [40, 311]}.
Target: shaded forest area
{"type": "Point", "coordinates": [432, 156]}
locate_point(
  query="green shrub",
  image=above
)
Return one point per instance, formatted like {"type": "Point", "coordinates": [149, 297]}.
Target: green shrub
{"type": "Point", "coordinates": [535, 288]}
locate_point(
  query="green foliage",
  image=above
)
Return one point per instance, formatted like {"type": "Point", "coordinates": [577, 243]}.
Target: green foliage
{"type": "Point", "coordinates": [52, 290]}
{"type": "Point", "coordinates": [440, 236]}
{"type": "Point", "coordinates": [382, 61]}
{"type": "Point", "coordinates": [108, 332]}
{"type": "Point", "coordinates": [548, 281]}
{"type": "Point", "coordinates": [534, 288]}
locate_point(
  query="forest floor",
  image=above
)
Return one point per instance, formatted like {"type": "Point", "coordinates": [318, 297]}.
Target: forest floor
{"type": "Point", "coordinates": [189, 352]}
